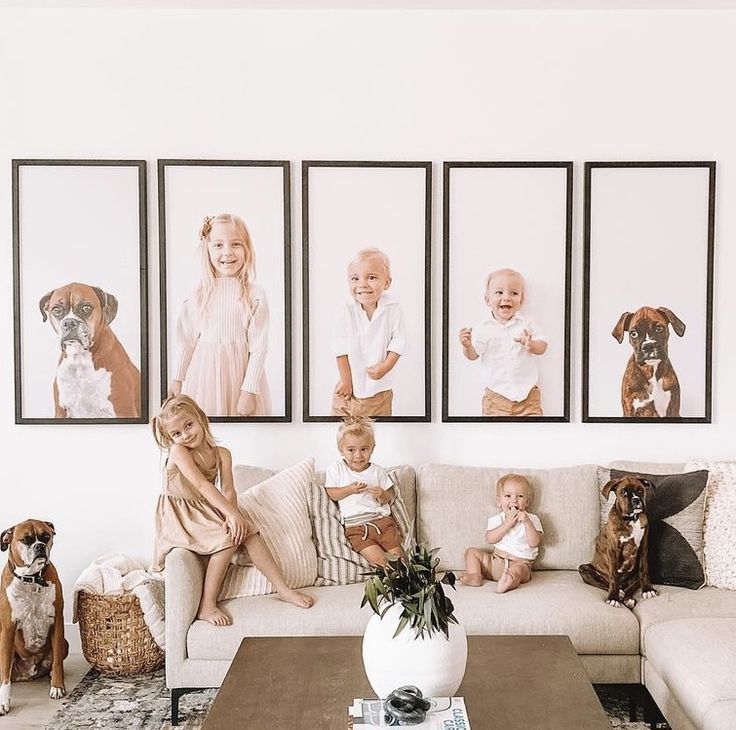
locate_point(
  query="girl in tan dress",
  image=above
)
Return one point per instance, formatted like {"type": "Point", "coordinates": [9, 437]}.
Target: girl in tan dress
{"type": "Point", "coordinates": [223, 326]}
{"type": "Point", "coordinates": [193, 513]}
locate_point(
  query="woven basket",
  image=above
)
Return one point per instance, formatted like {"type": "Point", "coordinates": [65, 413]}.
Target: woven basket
{"type": "Point", "coordinates": [115, 638]}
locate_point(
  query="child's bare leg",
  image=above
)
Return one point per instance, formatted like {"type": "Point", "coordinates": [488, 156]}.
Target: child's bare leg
{"type": "Point", "coordinates": [513, 576]}
{"type": "Point", "coordinates": [264, 561]}
{"type": "Point", "coordinates": [375, 556]}
{"type": "Point", "coordinates": [216, 567]}
{"type": "Point", "coordinates": [476, 564]}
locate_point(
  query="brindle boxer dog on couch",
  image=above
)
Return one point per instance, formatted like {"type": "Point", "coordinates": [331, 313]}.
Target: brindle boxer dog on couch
{"type": "Point", "coordinates": [649, 388]}
{"type": "Point", "coordinates": [32, 642]}
{"type": "Point", "coordinates": [620, 565]}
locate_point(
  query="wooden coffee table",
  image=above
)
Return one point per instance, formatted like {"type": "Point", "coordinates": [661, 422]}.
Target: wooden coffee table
{"type": "Point", "coordinates": [307, 683]}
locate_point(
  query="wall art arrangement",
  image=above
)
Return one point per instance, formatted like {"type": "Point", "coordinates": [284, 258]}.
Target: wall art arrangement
{"type": "Point", "coordinates": [366, 230]}
{"type": "Point", "coordinates": [648, 291]}
{"type": "Point", "coordinates": [225, 256]}
{"type": "Point", "coordinates": [79, 291]}
{"type": "Point", "coordinates": [507, 245]}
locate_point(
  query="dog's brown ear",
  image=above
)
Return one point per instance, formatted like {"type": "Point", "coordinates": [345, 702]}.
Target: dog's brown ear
{"type": "Point", "coordinates": [7, 536]}
{"type": "Point", "coordinates": [51, 527]}
{"type": "Point", "coordinates": [109, 304]}
{"type": "Point", "coordinates": [622, 326]}
{"type": "Point", "coordinates": [43, 305]}
{"type": "Point", "coordinates": [608, 486]}
{"type": "Point", "coordinates": [677, 324]}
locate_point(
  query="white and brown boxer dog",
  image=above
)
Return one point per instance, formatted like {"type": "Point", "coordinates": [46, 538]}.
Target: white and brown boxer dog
{"type": "Point", "coordinates": [649, 388]}
{"type": "Point", "coordinates": [620, 565]}
{"type": "Point", "coordinates": [32, 640]}
{"type": "Point", "coordinates": [95, 378]}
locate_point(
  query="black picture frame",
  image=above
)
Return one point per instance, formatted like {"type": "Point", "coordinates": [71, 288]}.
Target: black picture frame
{"type": "Point", "coordinates": [70, 215]}
{"type": "Point", "coordinates": [659, 227]}
{"type": "Point", "coordinates": [525, 234]}
{"type": "Point", "coordinates": [418, 217]}
{"type": "Point", "coordinates": [273, 218]}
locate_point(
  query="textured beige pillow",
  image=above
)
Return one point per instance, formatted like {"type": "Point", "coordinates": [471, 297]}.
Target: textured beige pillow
{"type": "Point", "coordinates": [720, 522]}
{"type": "Point", "coordinates": [278, 507]}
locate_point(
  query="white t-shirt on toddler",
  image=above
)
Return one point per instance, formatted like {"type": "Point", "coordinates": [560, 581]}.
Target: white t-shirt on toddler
{"type": "Point", "coordinates": [514, 542]}
{"type": "Point", "coordinates": [355, 509]}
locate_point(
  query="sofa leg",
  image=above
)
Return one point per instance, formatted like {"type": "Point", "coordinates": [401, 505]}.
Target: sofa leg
{"type": "Point", "coordinates": [175, 696]}
{"type": "Point", "coordinates": [634, 691]}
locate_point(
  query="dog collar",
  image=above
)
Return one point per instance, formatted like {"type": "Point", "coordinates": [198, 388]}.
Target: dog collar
{"type": "Point", "coordinates": [34, 578]}
{"type": "Point", "coordinates": [632, 517]}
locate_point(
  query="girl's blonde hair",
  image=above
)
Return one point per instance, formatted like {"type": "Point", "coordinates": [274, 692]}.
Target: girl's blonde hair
{"type": "Point", "coordinates": [354, 426]}
{"type": "Point", "coordinates": [372, 253]}
{"type": "Point", "coordinates": [173, 406]}
{"type": "Point", "coordinates": [502, 481]}
{"type": "Point", "coordinates": [247, 273]}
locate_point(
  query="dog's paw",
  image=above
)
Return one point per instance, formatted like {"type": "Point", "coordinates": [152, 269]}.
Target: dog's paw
{"type": "Point", "coordinates": [630, 603]}
{"type": "Point", "coordinates": [614, 603]}
{"type": "Point", "coordinates": [4, 698]}
{"type": "Point", "coordinates": [56, 693]}
{"type": "Point", "coordinates": [649, 593]}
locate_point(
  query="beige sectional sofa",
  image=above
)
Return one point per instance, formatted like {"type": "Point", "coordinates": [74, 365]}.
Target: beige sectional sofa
{"type": "Point", "coordinates": [681, 645]}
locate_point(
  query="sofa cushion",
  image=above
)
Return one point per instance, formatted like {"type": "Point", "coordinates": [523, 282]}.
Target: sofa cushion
{"type": "Point", "coordinates": [695, 659]}
{"type": "Point", "coordinates": [246, 476]}
{"type": "Point", "coordinates": [719, 534]}
{"type": "Point", "coordinates": [675, 513]}
{"type": "Point", "coordinates": [278, 507]}
{"type": "Point", "coordinates": [337, 562]}
{"type": "Point", "coordinates": [454, 503]}
{"type": "Point", "coordinates": [676, 603]}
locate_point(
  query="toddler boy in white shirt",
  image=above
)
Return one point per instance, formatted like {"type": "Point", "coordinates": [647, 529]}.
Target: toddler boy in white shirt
{"type": "Point", "coordinates": [368, 339]}
{"type": "Point", "coordinates": [506, 344]}
{"type": "Point", "coordinates": [361, 490]}
{"type": "Point", "coordinates": [515, 535]}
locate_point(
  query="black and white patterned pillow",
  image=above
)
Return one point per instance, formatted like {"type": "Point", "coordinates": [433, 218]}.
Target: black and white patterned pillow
{"type": "Point", "coordinates": [337, 562]}
{"type": "Point", "coordinates": [676, 522]}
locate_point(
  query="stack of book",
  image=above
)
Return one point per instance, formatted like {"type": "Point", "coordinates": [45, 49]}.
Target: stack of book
{"type": "Point", "coordinates": [445, 713]}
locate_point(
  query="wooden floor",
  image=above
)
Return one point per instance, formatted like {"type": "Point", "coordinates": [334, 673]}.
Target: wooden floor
{"type": "Point", "coordinates": [30, 706]}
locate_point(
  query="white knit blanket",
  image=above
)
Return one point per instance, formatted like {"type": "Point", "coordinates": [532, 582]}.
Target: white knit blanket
{"type": "Point", "coordinates": [114, 574]}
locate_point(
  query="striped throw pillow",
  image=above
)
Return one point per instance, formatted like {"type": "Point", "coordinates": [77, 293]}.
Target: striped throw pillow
{"type": "Point", "coordinates": [337, 562]}
{"type": "Point", "coordinates": [278, 507]}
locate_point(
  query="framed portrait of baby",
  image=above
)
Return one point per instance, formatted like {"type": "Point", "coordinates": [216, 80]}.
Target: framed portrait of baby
{"type": "Point", "coordinates": [366, 232]}
{"type": "Point", "coordinates": [80, 291]}
{"type": "Point", "coordinates": [648, 291]}
{"type": "Point", "coordinates": [225, 268]}
{"type": "Point", "coordinates": [507, 234]}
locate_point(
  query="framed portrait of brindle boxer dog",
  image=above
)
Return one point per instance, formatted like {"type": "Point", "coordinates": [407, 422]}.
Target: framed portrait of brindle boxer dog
{"type": "Point", "coordinates": [648, 291]}
{"type": "Point", "coordinates": [225, 276]}
{"type": "Point", "coordinates": [80, 291]}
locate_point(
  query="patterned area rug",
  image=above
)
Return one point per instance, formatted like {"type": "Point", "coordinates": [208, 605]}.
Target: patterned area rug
{"type": "Point", "coordinates": [103, 703]}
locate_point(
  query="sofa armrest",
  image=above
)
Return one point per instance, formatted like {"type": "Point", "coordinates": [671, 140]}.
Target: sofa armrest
{"type": "Point", "coordinates": [184, 578]}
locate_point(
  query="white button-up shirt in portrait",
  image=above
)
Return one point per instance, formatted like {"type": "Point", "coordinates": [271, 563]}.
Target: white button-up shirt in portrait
{"type": "Point", "coordinates": [368, 341]}
{"type": "Point", "coordinates": [508, 367]}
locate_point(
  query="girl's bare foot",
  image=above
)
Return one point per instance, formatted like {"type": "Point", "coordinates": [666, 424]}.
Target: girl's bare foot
{"type": "Point", "coordinates": [302, 600]}
{"type": "Point", "coordinates": [471, 579]}
{"type": "Point", "coordinates": [214, 616]}
{"type": "Point", "coordinates": [505, 582]}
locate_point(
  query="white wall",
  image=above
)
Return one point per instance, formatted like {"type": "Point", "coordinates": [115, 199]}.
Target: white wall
{"type": "Point", "coordinates": [433, 85]}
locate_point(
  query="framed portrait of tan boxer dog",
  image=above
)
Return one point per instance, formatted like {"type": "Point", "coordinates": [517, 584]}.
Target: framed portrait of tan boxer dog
{"type": "Point", "coordinates": [225, 277]}
{"type": "Point", "coordinates": [80, 291]}
{"type": "Point", "coordinates": [648, 291]}
{"type": "Point", "coordinates": [366, 273]}
{"type": "Point", "coordinates": [507, 245]}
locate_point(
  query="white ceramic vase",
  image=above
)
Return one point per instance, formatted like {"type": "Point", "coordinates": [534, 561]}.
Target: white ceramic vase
{"type": "Point", "coordinates": [434, 664]}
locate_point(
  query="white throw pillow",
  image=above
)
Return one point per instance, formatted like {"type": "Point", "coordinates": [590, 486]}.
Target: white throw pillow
{"type": "Point", "coordinates": [720, 522]}
{"type": "Point", "coordinates": [278, 508]}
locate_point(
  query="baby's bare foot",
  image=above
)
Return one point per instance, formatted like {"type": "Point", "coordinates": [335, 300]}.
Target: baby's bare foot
{"type": "Point", "coordinates": [302, 600]}
{"type": "Point", "coordinates": [505, 582]}
{"type": "Point", "coordinates": [214, 616]}
{"type": "Point", "coordinates": [471, 579]}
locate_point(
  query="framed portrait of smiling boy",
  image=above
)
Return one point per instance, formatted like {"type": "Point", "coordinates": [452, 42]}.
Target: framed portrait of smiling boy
{"type": "Point", "coordinates": [507, 235]}
{"type": "Point", "coordinates": [366, 231]}
{"type": "Point", "coordinates": [225, 269]}
{"type": "Point", "coordinates": [648, 291]}
{"type": "Point", "coordinates": [80, 291]}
